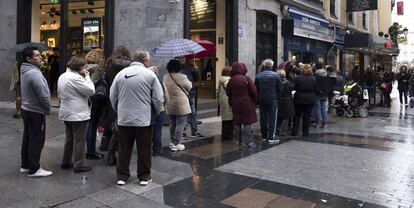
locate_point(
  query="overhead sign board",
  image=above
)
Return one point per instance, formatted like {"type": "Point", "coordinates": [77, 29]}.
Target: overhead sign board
{"type": "Point", "coordinates": [308, 26]}
{"type": "Point", "coordinates": [203, 14]}
{"type": "Point", "coordinates": [361, 5]}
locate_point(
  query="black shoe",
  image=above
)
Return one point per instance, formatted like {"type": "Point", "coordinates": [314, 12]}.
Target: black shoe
{"type": "Point", "coordinates": [66, 166]}
{"type": "Point", "coordinates": [82, 169]}
{"type": "Point", "coordinates": [95, 156]}
{"type": "Point", "coordinates": [155, 154]}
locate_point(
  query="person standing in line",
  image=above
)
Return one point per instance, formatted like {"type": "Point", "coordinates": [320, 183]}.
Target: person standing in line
{"type": "Point", "coordinates": [177, 86]}
{"type": "Point", "coordinates": [192, 74]}
{"type": "Point", "coordinates": [227, 130]}
{"type": "Point", "coordinates": [403, 84]}
{"type": "Point", "coordinates": [53, 61]}
{"type": "Point", "coordinates": [95, 59]}
{"type": "Point", "coordinates": [269, 88]}
{"type": "Point", "coordinates": [324, 89]}
{"type": "Point", "coordinates": [242, 98]}
{"type": "Point", "coordinates": [157, 120]}
{"type": "Point", "coordinates": [356, 74]}
{"type": "Point", "coordinates": [35, 107]}
{"type": "Point", "coordinates": [305, 97]}
{"type": "Point", "coordinates": [120, 59]}
{"type": "Point", "coordinates": [286, 109]}
{"type": "Point", "coordinates": [74, 88]}
{"type": "Point", "coordinates": [134, 91]}
{"type": "Point", "coordinates": [15, 86]}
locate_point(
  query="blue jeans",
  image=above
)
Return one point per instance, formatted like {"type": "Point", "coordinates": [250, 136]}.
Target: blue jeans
{"type": "Point", "coordinates": [268, 120]}
{"type": "Point", "coordinates": [319, 111]}
{"type": "Point", "coordinates": [192, 117]}
{"type": "Point", "coordinates": [157, 133]}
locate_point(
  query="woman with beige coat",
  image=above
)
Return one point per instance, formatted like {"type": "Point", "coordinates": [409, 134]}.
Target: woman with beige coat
{"type": "Point", "coordinates": [224, 107]}
{"type": "Point", "coordinates": [177, 105]}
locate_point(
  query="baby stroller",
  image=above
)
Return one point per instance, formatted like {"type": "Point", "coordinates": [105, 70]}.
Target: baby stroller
{"type": "Point", "coordinates": [350, 107]}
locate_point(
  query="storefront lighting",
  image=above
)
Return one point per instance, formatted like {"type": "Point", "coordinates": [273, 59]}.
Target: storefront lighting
{"type": "Point", "coordinates": [53, 23]}
{"type": "Point", "coordinates": [43, 12]}
{"type": "Point", "coordinates": [82, 11]}
{"type": "Point", "coordinates": [43, 24]}
{"type": "Point", "coordinates": [74, 12]}
{"type": "Point", "coordinates": [91, 11]}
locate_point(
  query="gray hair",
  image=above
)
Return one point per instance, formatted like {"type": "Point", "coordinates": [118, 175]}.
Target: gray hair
{"type": "Point", "coordinates": [268, 63]}
{"type": "Point", "coordinates": [140, 56]}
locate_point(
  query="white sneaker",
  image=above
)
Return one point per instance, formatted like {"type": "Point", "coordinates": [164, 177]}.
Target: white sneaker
{"type": "Point", "coordinates": [273, 141]}
{"type": "Point", "coordinates": [145, 182]}
{"type": "Point", "coordinates": [120, 183]}
{"type": "Point", "coordinates": [41, 173]}
{"type": "Point", "coordinates": [24, 170]}
{"type": "Point", "coordinates": [180, 147]}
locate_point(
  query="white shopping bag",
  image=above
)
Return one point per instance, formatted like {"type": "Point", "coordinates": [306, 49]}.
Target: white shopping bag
{"type": "Point", "coordinates": [365, 94]}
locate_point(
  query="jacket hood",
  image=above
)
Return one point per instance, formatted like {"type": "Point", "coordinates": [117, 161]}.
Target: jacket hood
{"type": "Point", "coordinates": [27, 67]}
{"type": "Point", "coordinates": [238, 68]}
{"type": "Point", "coordinates": [321, 72]}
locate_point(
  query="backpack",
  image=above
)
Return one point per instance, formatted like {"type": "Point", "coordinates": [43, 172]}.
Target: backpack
{"type": "Point", "coordinates": [101, 91]}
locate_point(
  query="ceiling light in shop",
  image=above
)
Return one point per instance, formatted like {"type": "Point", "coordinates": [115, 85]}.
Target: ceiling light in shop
{"type": "Point", "coordinates": [91, 11]}
{"type": "Point", "coordinates": [82, 11]}
{"type": "Point", "coordinates": [74, 12]}
{"type": "Point", "coordinates": [53, 23]}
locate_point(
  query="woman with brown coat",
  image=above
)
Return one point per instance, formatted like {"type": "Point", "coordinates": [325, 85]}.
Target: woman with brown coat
{"type": "Point", "coordinates": [242, 98]}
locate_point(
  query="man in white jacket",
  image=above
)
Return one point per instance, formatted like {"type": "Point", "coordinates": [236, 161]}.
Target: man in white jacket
{"type": "Point", "coordinates": [134, 91]}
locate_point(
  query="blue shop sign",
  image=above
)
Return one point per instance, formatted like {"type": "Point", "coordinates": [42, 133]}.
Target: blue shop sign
{"type": "Point", "coordinates": [308, 26]}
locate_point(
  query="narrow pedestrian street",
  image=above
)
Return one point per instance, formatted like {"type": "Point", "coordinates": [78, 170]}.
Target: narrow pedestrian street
{"type": "Point", "coordinates": [353, 162]}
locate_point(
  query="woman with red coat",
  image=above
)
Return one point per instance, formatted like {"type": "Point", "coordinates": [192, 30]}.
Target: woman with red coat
{"type": "Point", "coordinates": [242, 98]}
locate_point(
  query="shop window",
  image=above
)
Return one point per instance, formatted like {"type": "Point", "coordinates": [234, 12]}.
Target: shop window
{"type": "Point", "coordinates": [266, 37]}
{"type": "Point", "coordinates": [334, 8]}
{"type": "Point", "coordinates": [365, 20]}
{"type": "Point", "coordinates": [351, 18]}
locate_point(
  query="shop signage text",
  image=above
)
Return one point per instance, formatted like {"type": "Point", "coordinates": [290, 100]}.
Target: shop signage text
{"type": "Point", "coordinates": [313, 28]}
{"type": "Point", "coordinates": [361, 5]}
{"type": "Point", "coordinates": [203, 14]}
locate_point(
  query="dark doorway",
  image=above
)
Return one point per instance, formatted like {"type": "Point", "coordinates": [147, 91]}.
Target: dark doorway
{"type": "Point", "coordinates": [266, 37]}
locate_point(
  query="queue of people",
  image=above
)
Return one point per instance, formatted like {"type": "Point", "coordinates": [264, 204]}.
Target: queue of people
{"type": "Point", "coordinates": [126, 95]}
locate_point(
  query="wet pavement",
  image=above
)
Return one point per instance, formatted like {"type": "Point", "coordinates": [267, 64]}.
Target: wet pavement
{"type": "Point", "coordinates": [353, 162]}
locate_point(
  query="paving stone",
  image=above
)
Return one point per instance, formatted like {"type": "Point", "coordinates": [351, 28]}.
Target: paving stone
{"type": "Point", "coordinates": [138, 202]}
{"type": "Point", "coordinates": [111, 196]}
{"type": "Point", "coordinates": [83, 202]}
{"type": "Point", "coordinates": [250, 198]}
{"type": "Point", "coordinates": [345, 171]}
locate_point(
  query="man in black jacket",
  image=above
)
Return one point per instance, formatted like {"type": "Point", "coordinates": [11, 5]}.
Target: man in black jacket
{"type": "Point", "coordinates": [324, 89]}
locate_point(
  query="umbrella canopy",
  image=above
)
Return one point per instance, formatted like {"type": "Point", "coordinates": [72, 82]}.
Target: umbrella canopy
{"type": "Point", "coordinates": [178, 47]}
{"type": "Point", "coordinates": [40, 46]}
{"type": "Point", "coordinates": [209, 46]}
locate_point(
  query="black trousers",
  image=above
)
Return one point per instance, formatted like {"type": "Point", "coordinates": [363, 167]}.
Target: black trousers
{"type": "Point", "coordinates": [304, 112]}
{"type": "Point", "coordinates": [127, 136]}
{"type": "Point", "coordinates": [227, 130]}
{"type": "Point", "coordinates": [33, 140]}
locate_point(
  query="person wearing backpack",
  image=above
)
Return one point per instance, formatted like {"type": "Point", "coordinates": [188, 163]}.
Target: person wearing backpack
{"type": "Point", "coordinates": [95, 59]}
